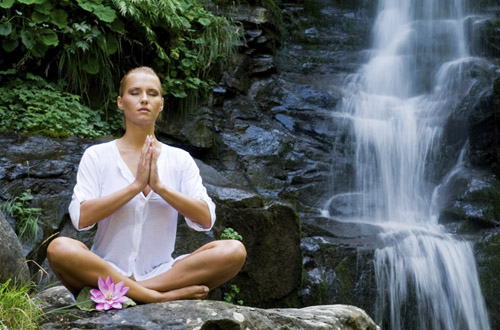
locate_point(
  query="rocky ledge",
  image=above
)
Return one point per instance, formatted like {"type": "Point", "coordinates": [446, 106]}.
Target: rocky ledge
{"type": "Point", "coordinates": [203, 315]}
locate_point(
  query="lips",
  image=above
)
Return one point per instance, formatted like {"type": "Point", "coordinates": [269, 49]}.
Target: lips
{"type": "Point", "coordinates": [144, 110]}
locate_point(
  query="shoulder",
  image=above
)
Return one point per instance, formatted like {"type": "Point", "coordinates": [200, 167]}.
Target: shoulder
{"type": "Point", "coordinates": [178, 153]}
{"type": "Point", "coordinates": [101, 148]}
{"type": "Point", "coordinates": [99, 152]}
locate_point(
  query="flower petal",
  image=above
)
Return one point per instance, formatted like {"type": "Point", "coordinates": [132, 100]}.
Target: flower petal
{"type": "Point", "coordinates": [125, 290]}
{"type": "Point", "coordinates": [99, 307]}
{"type": "Point", "coordinates": [102, 285]}
{"type": "Point", "coordinates": [118, 289]}
{"type": "Point", "coordinates": [109, 281]}
{"type": "Point", "coordinates": [116, 305]}
{"type": "Point", "coordinates": [95, 292]}
{"type": "Point", "coordinates": [99, 300]}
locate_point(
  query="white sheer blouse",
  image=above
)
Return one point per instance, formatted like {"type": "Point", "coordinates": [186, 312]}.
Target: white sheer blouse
{"type": "Point", "coordinates": [139, 238]}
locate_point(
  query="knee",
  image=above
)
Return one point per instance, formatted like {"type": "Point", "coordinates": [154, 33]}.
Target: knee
{"type": "Point", "coordinates": [235, 251]}
{"type": "Point", "coordinates": [59, 248]}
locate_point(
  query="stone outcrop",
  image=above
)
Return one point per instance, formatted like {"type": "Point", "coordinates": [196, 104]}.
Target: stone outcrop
{"type": "Point", "coordinates": [11, 255]}
{"type": "Point", "coordinates": [206, 315]}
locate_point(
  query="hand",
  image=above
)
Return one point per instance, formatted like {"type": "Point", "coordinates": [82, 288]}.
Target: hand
{"type": "Point", "coordinates": [144, 166]}
{"type": "Point", "coordinates": [154, 179]}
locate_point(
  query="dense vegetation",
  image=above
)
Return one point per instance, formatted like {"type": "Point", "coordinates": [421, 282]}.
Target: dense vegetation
{"type": "Point", "coordinates": [17, 310]}
{"type": "Point", "coordinates": [81, 47]}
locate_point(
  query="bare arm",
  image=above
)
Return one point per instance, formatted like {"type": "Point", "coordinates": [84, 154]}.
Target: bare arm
{"type": "Point", "coordinates": [192, 208]}
{"type": "Point", "coordinates": [94, 210]}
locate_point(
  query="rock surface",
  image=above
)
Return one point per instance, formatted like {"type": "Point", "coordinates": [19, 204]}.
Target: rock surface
{"type": "Point", "coordinates": [11, 255]}
{"type": "Point", "coordinates": [206, 315]}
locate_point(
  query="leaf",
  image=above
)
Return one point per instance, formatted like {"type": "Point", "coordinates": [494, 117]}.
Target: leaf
{"type": "Point", "coordinates": [59, 17]}
{"type": "Point", "coordinates": [39, 17]}
{"type": "Point", "coordinates": [6, 3]}
{"type": "Point", "coordinates": [129, 303]}
{"type": "Point", "coordinates": [44, 8]}
{"type": "Point", "coordinates": [28, 39]}
{"type": "Point", "coordinates": [39, 50]}
{"type": "Point", "coordinates": [91, 65]}
{"type": "Point", "coordinates": [105, 13]}
{"type": "Point", "coordinates": [83, 300]}
{"type": "Point", "coordinates": [117, 26]}
{"type": "Point", "coordinates": [87, 5]}
{"type": "Point", "coordinates": [179, 94]}
{"type": "Point", "coordinates": [111, 44]}
{"type": "Point", "coordinates": [49, 38]}
{"type": "Point", "coordinates": [5, 29]}
{"type": "Point", "coordinates": [204, 21]}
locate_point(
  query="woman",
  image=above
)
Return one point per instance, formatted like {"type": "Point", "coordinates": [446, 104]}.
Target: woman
{"type": "Point", "coordinates": [133, 188]}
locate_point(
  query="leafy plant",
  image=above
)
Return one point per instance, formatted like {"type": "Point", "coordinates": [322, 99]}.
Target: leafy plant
{"type": "Point", "coordinates": [230, 297]}
{"type": "Point", "coordinates": [17, 310]}
{"type": "Point", "coordinates": [84, 43]}
{"type": "Point", "coordinates": [34, 106]}
{"type": "Point", "coordinates": [26, 218]}
{"type": "Point", "coordinates": [230, 233]}
{"type": "Point", "coordinates": [187, 40]}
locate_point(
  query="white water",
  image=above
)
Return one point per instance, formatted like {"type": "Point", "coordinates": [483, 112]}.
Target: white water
{"type": "Point", "coordinates": [399, 102]}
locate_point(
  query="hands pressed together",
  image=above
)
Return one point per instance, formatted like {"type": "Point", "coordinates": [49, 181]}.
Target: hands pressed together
{"type": "Point", "coordinates": [147, 168]}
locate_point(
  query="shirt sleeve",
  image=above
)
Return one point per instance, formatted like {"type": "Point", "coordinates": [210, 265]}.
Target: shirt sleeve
{"type": "Point", "coordinates": [192, 186]}
{"type": "Point", "coordinates": [87, 186]}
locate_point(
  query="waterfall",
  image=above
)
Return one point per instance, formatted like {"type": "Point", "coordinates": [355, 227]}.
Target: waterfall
{"type": "Point", "coordinates": [397, 104]}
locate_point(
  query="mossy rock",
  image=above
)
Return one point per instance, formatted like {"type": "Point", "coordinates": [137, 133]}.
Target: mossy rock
{"type": "Point", "coordinates": [488, 262]}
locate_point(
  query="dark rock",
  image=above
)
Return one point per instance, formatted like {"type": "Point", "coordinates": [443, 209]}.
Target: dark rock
{"type": "Point", "coordinates": [13, 263]}
{"type": "Point", "coordinates": [272, 273]}
{"type": "Point", "coordinates": [487, 253]}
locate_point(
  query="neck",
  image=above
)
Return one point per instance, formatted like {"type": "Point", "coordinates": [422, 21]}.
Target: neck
{"type": "Point", "coordinates": [135, 138]}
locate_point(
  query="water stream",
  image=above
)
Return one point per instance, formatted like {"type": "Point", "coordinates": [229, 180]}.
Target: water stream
{"type": "Point", "coordinates": [398, 103]}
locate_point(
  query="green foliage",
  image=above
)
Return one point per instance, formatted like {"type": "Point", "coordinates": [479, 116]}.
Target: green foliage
{"type": "Point", "coordinates": [26, 217]}
{"type": "Point", "coordinates": [187, 41]}
{"type": "Point", "coordinates": [17, 310]}
{"type": "Point", "coordinates": [89, 44]}
{"type": "Point", "coordinates": [230, 297]}
{"type": "Point", "coordinates": [37, 107]}
{"type": "Point", "coordinates": [230, 233]}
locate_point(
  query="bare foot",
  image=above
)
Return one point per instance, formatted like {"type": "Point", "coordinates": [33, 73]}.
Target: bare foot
{"type": "Point", "coordinates": [189, 292]}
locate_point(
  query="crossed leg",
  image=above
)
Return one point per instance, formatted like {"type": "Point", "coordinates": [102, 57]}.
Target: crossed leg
{"type": "Point", "coordinates": [189, 278]}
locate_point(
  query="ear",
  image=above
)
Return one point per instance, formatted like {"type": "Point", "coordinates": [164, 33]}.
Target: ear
{"type": "Point", "coordinates": [162, 103]}
{"type": "Point", "coordinates": [119, 102]}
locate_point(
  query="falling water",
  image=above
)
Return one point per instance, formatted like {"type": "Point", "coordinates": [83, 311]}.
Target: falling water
{"type": "Point", "coordinates": [398, 103]}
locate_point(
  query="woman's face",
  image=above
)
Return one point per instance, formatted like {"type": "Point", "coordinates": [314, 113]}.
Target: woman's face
{"type": "Point", "coordinates": [141, 101]}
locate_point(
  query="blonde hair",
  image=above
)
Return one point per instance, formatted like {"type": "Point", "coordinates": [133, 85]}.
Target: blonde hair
{"type": "Point", "coordinates": [144, 69]}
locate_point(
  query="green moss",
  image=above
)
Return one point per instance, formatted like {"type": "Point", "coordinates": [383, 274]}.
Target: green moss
{"type": "Point", "coordinates": [488, 196]}
{"type": "Point", "coordinates": [346, 275]}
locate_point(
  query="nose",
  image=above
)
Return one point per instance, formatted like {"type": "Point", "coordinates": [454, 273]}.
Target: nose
{"type": "Point", "coordinates": [144, 97]}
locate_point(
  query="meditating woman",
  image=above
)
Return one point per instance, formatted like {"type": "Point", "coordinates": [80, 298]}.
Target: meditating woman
{"type": "Point", "coordinates": [133, 188]}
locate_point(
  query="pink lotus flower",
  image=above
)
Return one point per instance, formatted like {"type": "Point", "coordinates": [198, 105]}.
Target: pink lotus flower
{"type": "Point", "coordinates": [109, 295]}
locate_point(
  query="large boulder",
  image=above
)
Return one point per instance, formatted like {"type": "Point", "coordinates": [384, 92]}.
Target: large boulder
{"type": "Point", "coordinates": [270, 229]}
{"type": "Point", "coordinates": [206, 315]}
{"type": "Point", "coordinates": [11, 255]}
